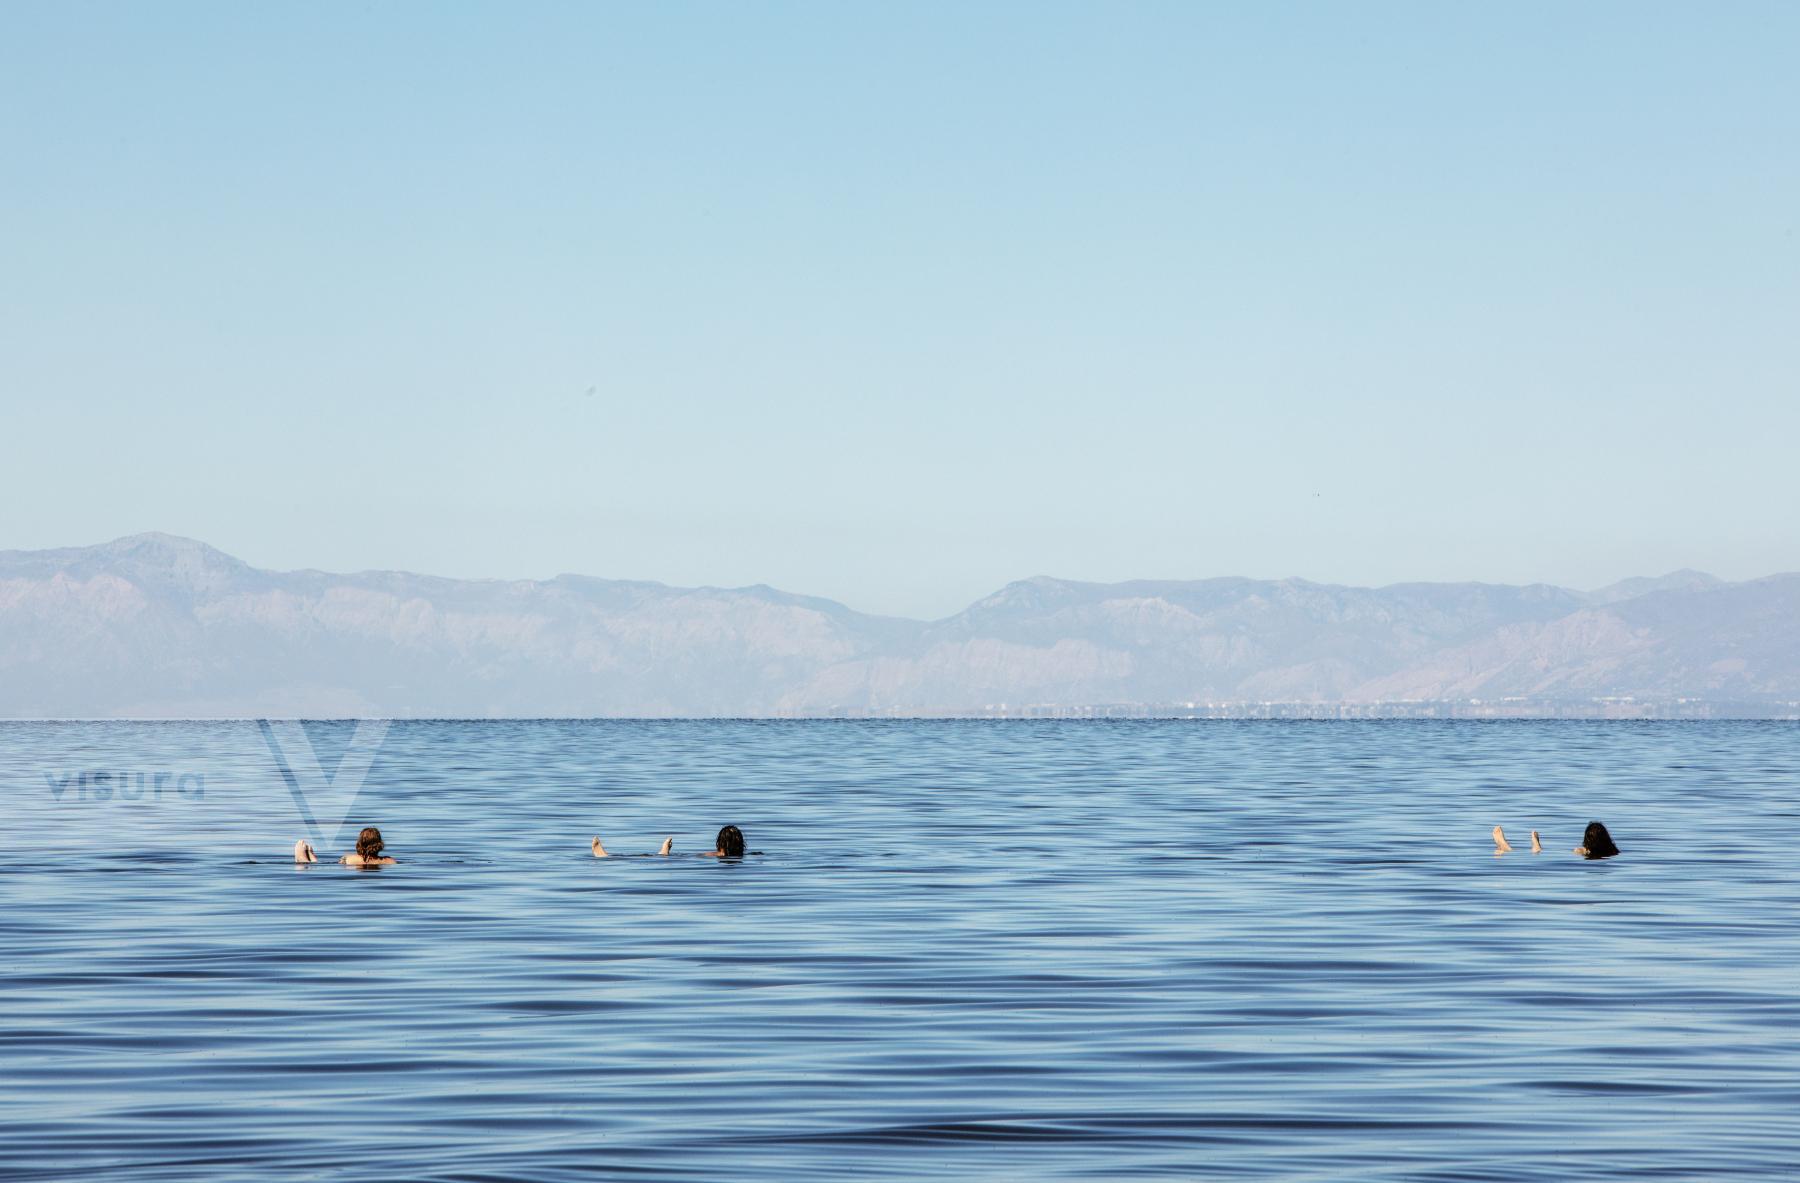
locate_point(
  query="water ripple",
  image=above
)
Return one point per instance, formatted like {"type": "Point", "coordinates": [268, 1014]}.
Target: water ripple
{"type": "Point", "coordinates": [1106, 950]}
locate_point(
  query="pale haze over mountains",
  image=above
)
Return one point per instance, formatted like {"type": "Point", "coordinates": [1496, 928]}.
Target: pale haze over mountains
{"type": "Point", "coordinates": [159, 626]}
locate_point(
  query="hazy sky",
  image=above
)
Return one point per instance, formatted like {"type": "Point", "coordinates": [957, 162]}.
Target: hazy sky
{"type": "Point", "coordinates": [897, 303]}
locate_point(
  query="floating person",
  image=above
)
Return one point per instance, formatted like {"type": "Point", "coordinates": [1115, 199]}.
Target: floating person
{"type": "Point", "coordinates": [729, 844]}
{"type": "Point", "coordinates": [1502, 846]}
{"type": "Point", "coordinates": [1596, 843]}
{"type": "Point", "coordinates": [367, 852]}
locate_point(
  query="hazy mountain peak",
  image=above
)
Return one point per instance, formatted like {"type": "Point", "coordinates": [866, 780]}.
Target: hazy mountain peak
{"type": "Point", "coordinates": [157, 539]}
{"type": "Point", "coordinates": [151, 561]}
{"type": "Point", "coordinates": [171, 559]}
{"type": "Point", "coordinates": [1039, 592]}
{"type": "Point", "coordinates": [1686, 579]}
{"type": "Point", "coordinates": [157, 547]}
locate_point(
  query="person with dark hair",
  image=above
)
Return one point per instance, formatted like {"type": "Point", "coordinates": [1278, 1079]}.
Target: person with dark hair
{"type": "Point", "coordinates": [1596, 842]}
{"type": "Point", "coordinates": [729, 844]}
{"type": "Point", "coordinates": [367, 852]}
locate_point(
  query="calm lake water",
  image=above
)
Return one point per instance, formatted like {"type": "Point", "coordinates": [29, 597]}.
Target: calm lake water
{"type": "Point", "coordinates": [969, 950]}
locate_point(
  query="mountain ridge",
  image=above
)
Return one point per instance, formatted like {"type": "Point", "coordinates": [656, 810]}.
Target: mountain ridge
{"type": "Point", "coordinates": [158, 625]}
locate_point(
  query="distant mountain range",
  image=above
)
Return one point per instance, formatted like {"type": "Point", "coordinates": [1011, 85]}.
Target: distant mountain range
{"type": "Point", "coordinates": [158, 626]}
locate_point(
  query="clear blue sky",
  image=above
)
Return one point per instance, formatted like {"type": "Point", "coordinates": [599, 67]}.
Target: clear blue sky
{"type": "Point", "coordinates": [897, 303]}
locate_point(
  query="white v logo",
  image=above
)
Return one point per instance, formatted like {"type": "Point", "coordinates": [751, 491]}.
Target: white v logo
{"type": "Point", "coordinates": [323, 803]}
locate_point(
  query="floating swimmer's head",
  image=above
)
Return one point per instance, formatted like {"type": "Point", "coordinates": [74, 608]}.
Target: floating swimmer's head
{"type": "Point", "coordinates": [1597, 842]}
{"type": "Point", "coordinates": [731, 842]}
{"type": "Point", "coordinates": [368, 843]}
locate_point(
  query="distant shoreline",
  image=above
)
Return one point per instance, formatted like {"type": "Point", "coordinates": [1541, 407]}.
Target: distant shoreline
{"type": "Point", "coordinates": [1785, 712]}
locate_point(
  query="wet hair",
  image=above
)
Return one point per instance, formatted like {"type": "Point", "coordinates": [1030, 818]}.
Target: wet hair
{"type": "Point", "coordinates": [1597, 842]}
{"type": "Point", "coordinates": [368, 844]}
{"type": "Point", "coordinates": [731, 842]}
